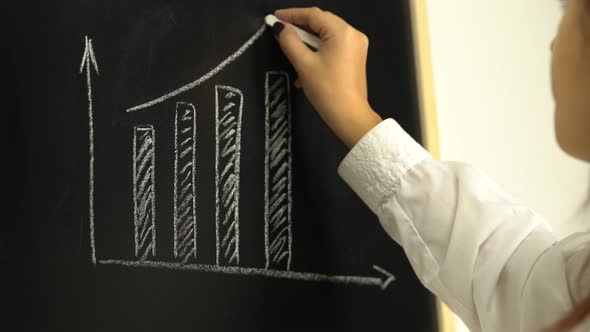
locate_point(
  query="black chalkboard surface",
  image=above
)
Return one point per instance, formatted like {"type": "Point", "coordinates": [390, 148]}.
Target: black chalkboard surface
{"type": "Point", "coordinates": [168, 177]}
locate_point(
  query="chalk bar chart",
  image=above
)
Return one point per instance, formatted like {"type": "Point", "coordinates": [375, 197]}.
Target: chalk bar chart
{"type": "Point", "coordinates": [277, 224]}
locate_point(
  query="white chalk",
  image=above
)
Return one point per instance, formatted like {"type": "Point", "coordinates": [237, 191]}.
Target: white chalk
{"type": "Point", "coordinates": [305, 36]}
{"type": "Point", "coordinates": [383, 279]}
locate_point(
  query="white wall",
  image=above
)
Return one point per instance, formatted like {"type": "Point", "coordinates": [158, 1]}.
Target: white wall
{"type": "Point", "coordinates": [491, 76]}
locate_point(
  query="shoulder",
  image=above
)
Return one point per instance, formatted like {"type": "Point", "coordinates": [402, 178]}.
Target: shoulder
{"type": "Point", "coordinates": [557, 281]}
{"type": "Point", "coordinates": [576, 256]}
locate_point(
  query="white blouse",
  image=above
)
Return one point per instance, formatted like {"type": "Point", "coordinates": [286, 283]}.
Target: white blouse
{"type": "Point", "coordinates": [492, 260]}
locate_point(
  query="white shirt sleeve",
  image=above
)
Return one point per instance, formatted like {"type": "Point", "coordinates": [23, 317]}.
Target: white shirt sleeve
{"type": "Point", "coordinates": [491, 259]}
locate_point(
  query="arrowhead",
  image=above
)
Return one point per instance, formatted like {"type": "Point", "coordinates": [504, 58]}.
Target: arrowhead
{"type": "Point", "coordinates": [387, 277]}
{"type": "Point", "coordinates": [88, 57]}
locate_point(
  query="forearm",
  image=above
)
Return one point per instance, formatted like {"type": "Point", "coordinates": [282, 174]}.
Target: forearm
{"type": "Point", "coordinates": [459, 230]}
{"type": "Point", "coordinates": [350, 122]}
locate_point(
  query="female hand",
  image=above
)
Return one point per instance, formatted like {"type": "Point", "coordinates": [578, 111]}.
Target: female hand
{"type": "Point", "coordinates": [333, 78]}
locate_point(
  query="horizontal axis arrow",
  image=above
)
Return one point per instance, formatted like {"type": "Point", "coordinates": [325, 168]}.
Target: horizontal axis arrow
{"type": "Point", "coordinates": [381, 281]}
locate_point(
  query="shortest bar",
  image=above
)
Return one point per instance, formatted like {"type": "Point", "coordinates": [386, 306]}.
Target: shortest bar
{"type": "Point", "coordinates": [144, 191]}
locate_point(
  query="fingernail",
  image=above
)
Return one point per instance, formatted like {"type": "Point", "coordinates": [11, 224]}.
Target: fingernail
{"type": "Point", "coordinates": [277, 28]}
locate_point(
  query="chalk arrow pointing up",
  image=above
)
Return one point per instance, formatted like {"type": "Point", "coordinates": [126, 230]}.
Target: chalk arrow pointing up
{"type": "Point", "coordinates": [88, 59]}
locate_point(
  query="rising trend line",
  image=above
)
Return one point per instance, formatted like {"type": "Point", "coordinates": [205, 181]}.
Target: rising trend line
{"type": "Point", "coordinates": [205, 77]}
{"type": "Point", "coordinates": [88, 59]}
{"type": "Point", "coordinates": [382, 280]}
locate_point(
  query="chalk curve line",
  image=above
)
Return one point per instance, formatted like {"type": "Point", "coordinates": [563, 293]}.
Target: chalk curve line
{"type": "Point", "coordinates": [205, 77]}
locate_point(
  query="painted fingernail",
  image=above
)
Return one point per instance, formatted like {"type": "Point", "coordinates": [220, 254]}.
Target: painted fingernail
{"type": "Point", "coordinates": [277, 28]}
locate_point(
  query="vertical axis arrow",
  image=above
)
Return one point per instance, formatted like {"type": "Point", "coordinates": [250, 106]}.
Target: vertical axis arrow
{"type": "Point", "coordinates": [88, 59]}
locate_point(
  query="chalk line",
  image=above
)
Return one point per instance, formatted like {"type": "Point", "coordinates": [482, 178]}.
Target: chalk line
{"type": "Point", "coordinates": [205, 77]}
{"type": "Point", "coordinates": [88, 58]}
{"type": "Point", "coordinates": [382, 281]}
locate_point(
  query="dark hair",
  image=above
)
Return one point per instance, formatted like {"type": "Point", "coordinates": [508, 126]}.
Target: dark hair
{"type": "Point", "coordinates": [581, 311]}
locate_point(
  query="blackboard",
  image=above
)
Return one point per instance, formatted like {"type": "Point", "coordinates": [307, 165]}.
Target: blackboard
{"type": "Point", "coordinates": [168, 177]}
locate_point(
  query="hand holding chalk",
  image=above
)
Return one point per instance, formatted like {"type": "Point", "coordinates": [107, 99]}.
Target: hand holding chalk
{"type": "Point", "coordinates": [305, 36]}
{"type": "Point", "coordinates": [333, 78]}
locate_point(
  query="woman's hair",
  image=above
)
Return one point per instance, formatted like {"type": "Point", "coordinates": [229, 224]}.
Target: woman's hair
{"type": "Point", "coordinates": [581, 311]}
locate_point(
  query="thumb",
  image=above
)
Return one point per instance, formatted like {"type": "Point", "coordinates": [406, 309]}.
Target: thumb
{"type": "Point", "coordinates": [295, 50]}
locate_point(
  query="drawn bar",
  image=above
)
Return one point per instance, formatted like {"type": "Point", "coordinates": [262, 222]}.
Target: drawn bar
{"type": "Point", "coordinates": [185, 223]}
{"type": "Point", "coordinates": [144, 194]}
{"type": "Point", "coordinates": [278, 237]}
{"type": "Point", "coordinates": [228, 127]}
{"type": "Point", "coordinates": [384, 279]}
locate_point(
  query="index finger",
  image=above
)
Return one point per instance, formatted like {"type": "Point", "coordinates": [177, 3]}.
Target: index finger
{"type": "Point", "coordinates": [317, 20]}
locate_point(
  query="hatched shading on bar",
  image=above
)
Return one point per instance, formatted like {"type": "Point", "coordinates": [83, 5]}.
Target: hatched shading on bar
{"type": "Point", "coordinates": [185, 223]}
{"type": "Point", "coordinates": [228, 123]}
{"type": "Point", "coordinates": [144, 193]}
{"type": "Point", "coordinates": [278, 200]}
